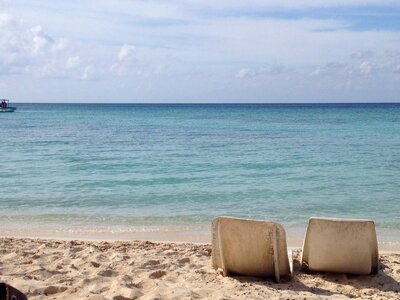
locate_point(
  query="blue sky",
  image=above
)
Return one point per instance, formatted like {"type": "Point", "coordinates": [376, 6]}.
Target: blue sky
{"type": "Point", "coordinates": [200, 51]}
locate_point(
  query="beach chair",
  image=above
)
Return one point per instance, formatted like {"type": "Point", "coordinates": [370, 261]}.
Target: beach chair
{"type": "Point", "coordinates": [7, 292]}
{"type": "Point", "coordinates": [339, 245]}
{"type": "Point", "coordinates": [249, 247]}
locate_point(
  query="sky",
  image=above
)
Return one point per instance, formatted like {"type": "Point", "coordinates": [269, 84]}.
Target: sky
{"type": "Point", "coordinates": [200, 51]}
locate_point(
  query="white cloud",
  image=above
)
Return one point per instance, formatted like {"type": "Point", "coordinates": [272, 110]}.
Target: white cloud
{"type": "Point", "coordinates": [140, 62]}
{"type": "Point", "coordinates": [40, 40]}
{"type": "Point", "coordinates": [332, 69]}
{"type": "Point", "coordinates": [362, 54]}
{"type": "Point", "coordinates": [244, 73]}
{"type": "Point", "coordinates": [266, 69]}
{"type": "Point", "coordinates": [365, 68]}
{"type": "Point", "coordinates": [125, 61]}
{"type": "Point", "coordinates": [383, 65]}
{"type": "Point", "coordinates": [88, 72]}
{"type": "Point", "coordinates": [126, 52]}
{"type": "Point", "coordinates": [29, 50]}
{"type": "Point", "coordinates": [73, 62]}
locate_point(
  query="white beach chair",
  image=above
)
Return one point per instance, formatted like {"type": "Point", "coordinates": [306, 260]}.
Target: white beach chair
{"type": "Point", "coordinates": [339, 245]}
{"type": "Point", "coordinates": [249, 247]}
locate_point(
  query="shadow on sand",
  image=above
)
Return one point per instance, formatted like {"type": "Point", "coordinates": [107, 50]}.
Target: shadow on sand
{"type": "Point", "coordinates": [331, 284]}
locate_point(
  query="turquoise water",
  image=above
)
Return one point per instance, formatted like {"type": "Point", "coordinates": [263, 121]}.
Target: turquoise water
{"type": "Point", "coordinates": [161, 165]}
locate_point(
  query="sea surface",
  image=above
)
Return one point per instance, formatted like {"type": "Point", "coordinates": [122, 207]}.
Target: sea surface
{"type": "Point", "coordinates": [163, 166]}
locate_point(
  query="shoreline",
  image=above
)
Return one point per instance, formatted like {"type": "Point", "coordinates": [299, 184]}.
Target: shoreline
{"type": "Point", "coordinates": [388, 240]}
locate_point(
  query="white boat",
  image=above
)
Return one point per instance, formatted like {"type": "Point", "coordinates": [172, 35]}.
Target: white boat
{"type": "Point", "coordinates": [5, 106]}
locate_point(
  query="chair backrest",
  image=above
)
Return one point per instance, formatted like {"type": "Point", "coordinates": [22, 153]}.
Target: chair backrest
{"type": "Point", "coordinates": [249, 247]}
{"type": "Point", "coordinates": [340, 245]}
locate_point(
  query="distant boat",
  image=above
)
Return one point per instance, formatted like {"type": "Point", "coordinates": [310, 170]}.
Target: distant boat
{"type": "Point", "coordinates": [5, 106]}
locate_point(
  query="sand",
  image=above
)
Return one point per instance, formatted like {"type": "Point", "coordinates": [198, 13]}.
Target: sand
{"type": "Point", "coordinates": [59, 269]}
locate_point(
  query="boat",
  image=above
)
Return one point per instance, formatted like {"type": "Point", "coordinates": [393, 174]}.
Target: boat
{"type": "Point", "coordinates": [5, 106]}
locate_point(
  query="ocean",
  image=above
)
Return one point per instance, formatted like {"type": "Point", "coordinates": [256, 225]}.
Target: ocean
{"type": "Point", "coordinates": [152, 167]}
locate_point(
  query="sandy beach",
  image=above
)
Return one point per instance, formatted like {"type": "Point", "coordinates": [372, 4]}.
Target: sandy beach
{"type": "Point", "coordinates": [149, 149]}
{"type": "Point", "coordinates": [77, 269]}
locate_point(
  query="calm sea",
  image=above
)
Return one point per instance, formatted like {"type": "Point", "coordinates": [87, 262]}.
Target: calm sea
{"type": "Point", "coordinates": [151, 166]}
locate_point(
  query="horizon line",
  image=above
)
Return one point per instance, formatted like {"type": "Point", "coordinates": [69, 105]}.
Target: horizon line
{"type": "Point", "coordinates": [200, 103]}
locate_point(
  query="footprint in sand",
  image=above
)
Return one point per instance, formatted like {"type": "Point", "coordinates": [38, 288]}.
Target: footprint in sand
{"type": "Point", "coordinates": [97, 297]}
{"type": "Point", "coordinates": [119, 297]}
{"type": "Point", "coordinates": [151, 263]}
{"type": "Point", "coordinates": [157, 274]}
{"type": "Point", "coordinates": [50, 290]}
{"type": "Point", "coordinates": [183, 261]}
{"type": "Point", "coordinates": [101, 258]}
{"type": "Point", "coordinates": [171, 253]}
{"type": "Point", "coordinates": [95, 264]}
{"type": "Point", "coordinates": [107, 273]}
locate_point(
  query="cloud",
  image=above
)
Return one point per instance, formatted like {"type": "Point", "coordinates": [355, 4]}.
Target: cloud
{"type": "Point", "coordinates": [125, 61]}
{"type": "Point", "coordinates": [40, 40]}
{"type": "Point", "coordinates": [22, 46]}
{"type": "Point", "coordinates": [140, 62]}
{"type": "Point", "coordinates": [88, 72]}
{"type": "Point", "coordinates": [266, 69]}
{"type": "Point", "coordinates": [29, 50]}
{"type": "Point", "coordinates": [126, 53]}
{"type": "Point", "coordinates": [393, 54]}
{"type": "Point", "coordinates": [393, 61]}
{"type": "Point", "coordinates": [343, 69]}
{"type": "Point", "coordinates": [73, 62]}
{"type": "Point", "coordinates": [361, 63]}
{"type": "Point", "coordinates": [244, 73]}
{"type": "Point", "coordinates": [365, 68]}
{"type": "Point", "coordinates": [362, 54]}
